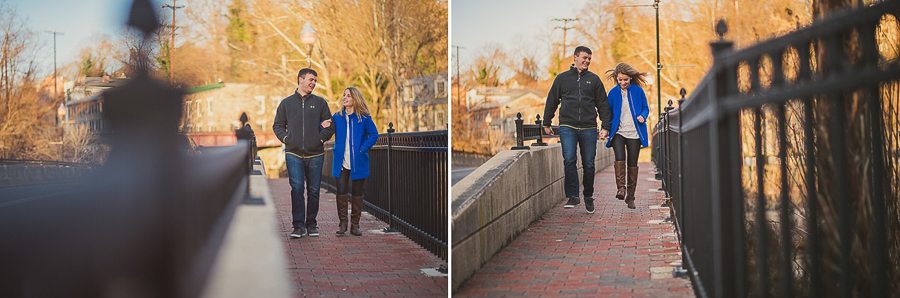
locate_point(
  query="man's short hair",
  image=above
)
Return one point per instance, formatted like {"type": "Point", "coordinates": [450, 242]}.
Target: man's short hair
{"type": "Point", "coordinates": [580, 49]}
{"type": "Point", "coordinates": [305, 71]}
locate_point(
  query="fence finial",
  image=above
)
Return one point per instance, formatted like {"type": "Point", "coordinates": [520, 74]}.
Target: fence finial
{"type": "Point", "coordinates": [721, 29]}
{"type": "Point", "coordinates": [143, 17]}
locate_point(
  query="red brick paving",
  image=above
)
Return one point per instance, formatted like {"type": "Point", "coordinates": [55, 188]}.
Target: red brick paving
{"type": "Point", "coordinates": [570, 253]}
{"type": "Point", "coordinates": [368, 266]}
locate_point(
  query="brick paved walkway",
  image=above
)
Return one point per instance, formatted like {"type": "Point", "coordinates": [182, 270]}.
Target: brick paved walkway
{"type": "Point", "coordinates": [367, 266]}
{"type": "Point", "coordinates": [615, 252]}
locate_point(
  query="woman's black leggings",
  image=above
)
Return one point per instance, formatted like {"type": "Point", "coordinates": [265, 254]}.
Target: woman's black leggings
{"type": "Point", "coordinates": [344, 184]}
{"type": "Point", "coordinates": [621, 145]}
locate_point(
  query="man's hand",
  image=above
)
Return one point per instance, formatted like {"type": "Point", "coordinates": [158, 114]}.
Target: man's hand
{"type": "Point", "coordinates": [640, 119]}
{"type": "Point", "coordinates": [326, 123]}
{"type": "Point", "coordinates": [603, 134]}
{"type": "Point", "coordinates": [548, 130]}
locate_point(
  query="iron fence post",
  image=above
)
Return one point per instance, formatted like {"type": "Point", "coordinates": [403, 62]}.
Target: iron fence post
{"type": "Point", "coordinates": [520, 134]}
{"type": "Point", "coordinates": [390, 227]}
{"type": "Point", "coordinates": [540, 141]}
{"type": "Point", "coordinates": [664, 149]}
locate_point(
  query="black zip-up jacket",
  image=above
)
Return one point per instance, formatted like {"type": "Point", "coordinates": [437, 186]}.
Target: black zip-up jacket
{"type": "Point", "coordinates": [297, 124]}
{"type": "Point", "coordinates": [583, 97]}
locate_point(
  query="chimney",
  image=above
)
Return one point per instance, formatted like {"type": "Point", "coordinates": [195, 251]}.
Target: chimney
{"type": "Point", "coordinates": [105, 78]}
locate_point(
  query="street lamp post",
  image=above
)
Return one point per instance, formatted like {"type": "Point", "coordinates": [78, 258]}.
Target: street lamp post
{"type": "Point", "coordinates": [659, 65]}
{"type": "Point", "coordinates": [55, 75]}
{"type": "Point", "coordinates": [308, 37]}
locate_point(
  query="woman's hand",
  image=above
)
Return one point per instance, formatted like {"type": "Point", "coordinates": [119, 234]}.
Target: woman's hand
{"type": "Point", "coordinates": [641, 119]}
{"type": "Point", "coordinates": [326, 123]}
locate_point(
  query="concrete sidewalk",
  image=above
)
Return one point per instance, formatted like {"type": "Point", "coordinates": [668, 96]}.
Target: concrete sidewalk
{"type": "Point", "coordinates": [615, 252]}
{"type": "Point", "coordinates": [371, 265]}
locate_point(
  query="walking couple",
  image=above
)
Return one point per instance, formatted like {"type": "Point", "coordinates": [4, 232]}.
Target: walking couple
{"type": "Point", "coordinates": [303, 122]}
{"type": "Point", "coordinates": [623, 112]}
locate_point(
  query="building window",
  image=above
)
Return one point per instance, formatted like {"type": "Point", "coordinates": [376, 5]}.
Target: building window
{"type": "Point", "coordinates": [209, 106]}
{"type": "Point", "coordinates": [439, 118]}
{"type": "Point", "coordinates": [199, 101]}
{"type": "Point", "coordinates": [210, 126]}
{"type": "Point", "coordinates": [440, 88]}
{"type": "Point", "coordinates": [408, 93]}
{"type": "Point", "coordinates": [261, 101]}
{"type": "Point", "coordinates": [187, 107]}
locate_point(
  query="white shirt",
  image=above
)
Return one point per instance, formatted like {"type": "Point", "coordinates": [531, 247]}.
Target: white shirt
{"type": "Point", "coordinates": [346, 163]}
{"type": "Point", "coordinates": [627, 128]}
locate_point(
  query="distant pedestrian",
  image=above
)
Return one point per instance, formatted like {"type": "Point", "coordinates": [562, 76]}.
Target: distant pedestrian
{"type": "Point", "coordinates": [297, 125]}
{"type": "Point", "coordinates": [355, 134]}
{"type": "Point", "coordinates": [629, 127]}
{"type": "Point", "coordinates": [583, 98]}
{"type": "Point", "coordinates": [246, 131]}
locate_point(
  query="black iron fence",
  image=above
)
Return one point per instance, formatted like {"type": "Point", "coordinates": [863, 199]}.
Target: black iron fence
{"type": "Point", "coordinates": [526, 132]}
{"type": "Point", "coordinates": [22, 172]}
{"type": "Point", "coordinates": [147, 223]}
{"type": "Point", "coordinates": [783, 165]}
{"type": "Point", "coordinates": [407, 185]}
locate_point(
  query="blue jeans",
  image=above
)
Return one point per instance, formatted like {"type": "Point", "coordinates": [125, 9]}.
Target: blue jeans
{"type": "Point", "coordinates": [586, 141]}
{"type": "Point", "coordinates": [308, 170]}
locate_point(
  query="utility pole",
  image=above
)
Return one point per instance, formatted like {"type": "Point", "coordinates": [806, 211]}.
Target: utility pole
{"type": "Point", "coordinates": [565, 27]}
{"type": "Point", "coordinates": [172, 39]}
{"type": "Point", "coordinates": [458, 82]}
{"type": "Point", "coordinates": [55, 74]}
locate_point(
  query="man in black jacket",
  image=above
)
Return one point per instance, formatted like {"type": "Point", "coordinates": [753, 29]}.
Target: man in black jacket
{"type": "Point", "coordinates": [583, 98]}
{"type": "Point", "coordinates": [297, 125]}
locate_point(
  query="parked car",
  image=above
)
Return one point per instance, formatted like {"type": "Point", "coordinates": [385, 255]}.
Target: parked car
{"type": "Point", "coordinates": [187, 145]}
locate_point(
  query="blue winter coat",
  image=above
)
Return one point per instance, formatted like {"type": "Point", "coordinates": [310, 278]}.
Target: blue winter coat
{"type": "Point", "coordinates": [638, 102]}
{"type": "Point", "coordinates": [363, 136]}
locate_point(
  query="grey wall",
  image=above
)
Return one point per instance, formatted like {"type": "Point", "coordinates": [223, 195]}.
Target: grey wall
{"type": "Point", "coordinates": [501, 198]}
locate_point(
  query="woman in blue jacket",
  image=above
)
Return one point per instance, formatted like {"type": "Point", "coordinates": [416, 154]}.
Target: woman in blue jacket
{"type": "Point", "coordinates": [629, 127]}
{"type": "Point", "coordinates": [355, 134]}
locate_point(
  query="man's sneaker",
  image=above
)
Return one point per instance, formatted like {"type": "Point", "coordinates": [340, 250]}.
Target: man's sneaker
{"type": "Point", "coordinates": [298, 232]}
{"type": "Point", "coordinates": [589, 205]}
{"type": "Point", "coordinates": [572, 202]}
{"type": "Point", "coordinates": [313, 232]}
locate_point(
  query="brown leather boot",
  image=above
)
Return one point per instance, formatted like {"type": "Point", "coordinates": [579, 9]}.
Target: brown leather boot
{"type": "Point", "coordinates": [632, 186]}
{"type": "Point", "coordinates": [620, 179]}
{"type": "Point", "coordinates": [342, 201]}
{"type": "Point", "coordinates": [355, 212]}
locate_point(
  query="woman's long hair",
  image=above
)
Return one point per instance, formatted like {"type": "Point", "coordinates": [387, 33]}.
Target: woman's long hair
{"type": "Point", "coordinates": [637, 77]}
{"type": "Point", "coordinates": [359, 103]}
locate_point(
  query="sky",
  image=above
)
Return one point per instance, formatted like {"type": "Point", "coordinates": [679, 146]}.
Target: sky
{"type": "Point", "coordinates": [478, 23]}
{"type": "Point", "coordinates": [79, 20]}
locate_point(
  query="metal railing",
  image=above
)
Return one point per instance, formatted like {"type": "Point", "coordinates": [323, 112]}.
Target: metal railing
{"type": "Point", "coordinates": [24, 172]}
{"type": "Point", "coordinates": [525, 132]}
{"type": "Point", "coordinates": [147, 223]}
{"type": "Point", "coordinates": [407, 185]}
{"type": "Point", "coordinates": [36, 162]}
{"type": "Point", "coordinates": [781, 164]}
